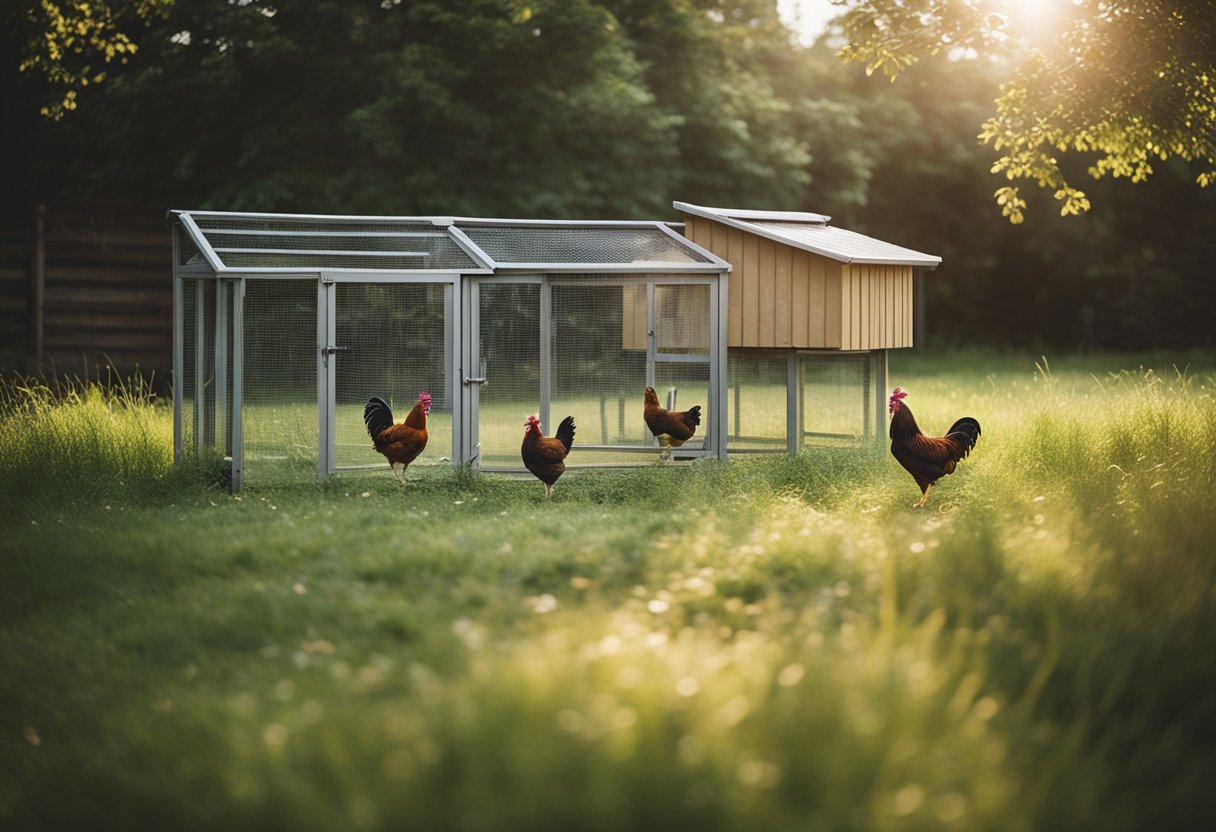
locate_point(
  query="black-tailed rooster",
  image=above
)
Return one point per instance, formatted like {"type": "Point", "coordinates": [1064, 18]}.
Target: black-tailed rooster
{"type": "Point", "coordinates": [672, 428]}
{"type": "Point", "coordinates": [926, 458]}
{"type": "Point", "coordinates": [546, 458]}
{"type": "Point", "coordinates": [400, 443]}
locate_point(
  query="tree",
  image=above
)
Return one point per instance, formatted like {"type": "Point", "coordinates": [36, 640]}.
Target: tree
{"type": "Point", "coordinates": [70, 43]}
{"type": "Point", "coordinates": [1128, 83]}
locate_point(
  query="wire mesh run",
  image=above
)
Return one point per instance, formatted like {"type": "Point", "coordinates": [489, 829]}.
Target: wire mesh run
{"type": "Point", "coordinates": [757, 401]}
{"type": "Point", "coordinates": [394, 342]}
{"type": "Point", "coordinates": [280, 413]}
{"type": "Point", "coordinates": [837, 397]}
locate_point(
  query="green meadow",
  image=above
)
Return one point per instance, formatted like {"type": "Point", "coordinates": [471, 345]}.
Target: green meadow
{"type": "Point", "coordinates": [775, 643]}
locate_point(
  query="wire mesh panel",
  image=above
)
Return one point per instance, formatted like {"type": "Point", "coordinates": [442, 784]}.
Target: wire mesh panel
{"type": "Point", "coordinates": [682, 322]}
{"type": "Point", "coordinates": [280, 414]}
{"type": "Point", "coordinates": [302, 242]}
{"type": "Point", "coordinates": [185, 388]}
{"type": "Point", "coordinates": [226, 291]}
{"type": "Point", "coordinates": [509, 360]}
{"type": "Point", "coordinates": [580, 244]}
{"type": "Point", "coordinates": [599, 367]}
{"type": "Point", "coordinates": [394, 343]}
{"type": "Point", "coordinates": [837, 398]}
{"type": "Point", "coordinates": [680, 385]}
{"type": "Point", "coordinates": [757, 403]}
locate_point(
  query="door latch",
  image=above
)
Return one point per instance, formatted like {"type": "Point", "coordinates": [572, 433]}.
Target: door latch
{"type": "Point", "coordinates": [479, 380]}
{"type": "Point", "coordinates": [329, 350]}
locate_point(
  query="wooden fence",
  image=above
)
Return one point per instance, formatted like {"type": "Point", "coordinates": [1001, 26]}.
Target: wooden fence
{"type": "Point", "coordinates": [84, 287]}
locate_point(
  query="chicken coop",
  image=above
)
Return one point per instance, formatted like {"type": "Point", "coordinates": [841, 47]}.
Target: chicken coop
{"type": "Point", "coordinates": [285, 325]}
{"type": "Point", "coordinates": [812, 311]}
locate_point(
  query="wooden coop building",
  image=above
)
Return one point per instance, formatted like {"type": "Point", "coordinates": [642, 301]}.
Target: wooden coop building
{"type": "Point", "coordinates": [811, 312]}
{"type": "Point", "coordinates": [284, 326]}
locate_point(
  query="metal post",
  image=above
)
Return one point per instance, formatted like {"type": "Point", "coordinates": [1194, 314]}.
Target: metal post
{"type": "Point", "coordinates": [238, 385]}
{"type": "Point", "coordinates": [178, 347]}
{"type": "Point", "coordinates": [546, 352]}
{"type": "Point", "coordinates": [325, 378]}
{"type": "Point", "coordinates": [448, 324]}
{"type": "Point", "coordinates": [471, 359]}
{"type": "Point", "coordinates": [718, 363]}
{"type": "Point", "coordinates": [200, 363]}
{"type": "Point", "coordinates": [793, 402]}
{"type": "Point", "coordinates": [221, 364]}
{"type": "Point", "coordinates": [799, 385]}
{"type": "Point", "coordinates": [880, 385]}
{"type": "Point", "coordinates": [651, 351]}
{"type": "Point", "coordinates": [651, 340]}
{"type": "Point", "coordinates": [453, 312]}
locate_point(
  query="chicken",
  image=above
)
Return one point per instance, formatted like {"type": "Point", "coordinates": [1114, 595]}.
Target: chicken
{"type": "Point", "coordinates": [926, 458]}
{"type": "Point", "coordinates": [546, 458]}
{"type": "Point", "coordinates": [670, 427]}
{"type": "Point", "coordinates": [400, 443]}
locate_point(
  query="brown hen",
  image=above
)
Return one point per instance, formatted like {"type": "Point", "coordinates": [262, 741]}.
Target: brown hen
{"type": "Point", "coordinates": [400, 443]}
{"type": "Point", "coordinates": [546, 457]}
{"type": "Point", "coordinates": [672, 428]}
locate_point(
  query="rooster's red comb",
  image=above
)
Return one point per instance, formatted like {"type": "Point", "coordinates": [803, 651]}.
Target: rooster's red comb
{"type": "Point", "coordinates": [896, 395]}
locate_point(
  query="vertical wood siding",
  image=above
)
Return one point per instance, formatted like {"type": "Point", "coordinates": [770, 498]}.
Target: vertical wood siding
{"type": "Point", "coordinates": [781, 296]}
{"type": "Point", "coordinates": [876, 309]}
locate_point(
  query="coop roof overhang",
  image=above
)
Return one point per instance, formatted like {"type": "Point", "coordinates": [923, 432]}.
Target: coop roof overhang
{"type": "Point", "coordinates": [259, 243]}
{"type": "Point", "coordinates": [812, 233]}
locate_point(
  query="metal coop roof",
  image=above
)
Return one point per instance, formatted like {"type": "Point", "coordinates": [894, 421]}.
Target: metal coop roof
{"type": "Point", "coordinates": [242, 242]}
{"type": "Point", "coordinates": [812, 233]}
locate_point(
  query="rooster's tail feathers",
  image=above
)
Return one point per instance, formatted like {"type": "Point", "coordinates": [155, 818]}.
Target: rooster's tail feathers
{"type": "Point", "coordinates": [966, 431]}
{"type": "Point", "coordinates": [693, 416]}
{"type": "Point", "coordinates": [377, 415]}
{"type": "Point", "coordinates": [565, 432]}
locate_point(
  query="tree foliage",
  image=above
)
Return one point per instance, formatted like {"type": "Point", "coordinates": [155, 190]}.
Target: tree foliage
{"type": "Point", "coordinates": [606, 109]}
{"type": "Point", "coordinates": [1127, 83]}
{"type": "Point", "coordinates": [70, 43]}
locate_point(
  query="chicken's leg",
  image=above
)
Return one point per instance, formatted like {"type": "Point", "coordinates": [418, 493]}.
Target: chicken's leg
{"type": "Point", "coordinates": [923, 497]}
{"type": "Point", "coordinates": [548, 490]}
{"type": "Point", "coordinates": [394, 465]}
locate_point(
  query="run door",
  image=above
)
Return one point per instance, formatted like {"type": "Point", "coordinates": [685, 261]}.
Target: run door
{"type": "Point", "coordinates": [391, 336]}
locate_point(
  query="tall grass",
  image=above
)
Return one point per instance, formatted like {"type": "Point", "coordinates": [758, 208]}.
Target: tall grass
{"type": "Point", "coordinates": [773, 643]}
{"type": "Point", "coordinates": [69, 440]}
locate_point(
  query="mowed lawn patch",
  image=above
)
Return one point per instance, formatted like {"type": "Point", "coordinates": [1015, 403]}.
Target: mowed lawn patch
{"type": "Point", "coordinates": [774, 643]}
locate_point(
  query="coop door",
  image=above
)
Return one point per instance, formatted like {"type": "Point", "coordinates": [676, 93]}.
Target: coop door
{"type": "Point", "coordinates": [393, 340]}
{"type": "Point", "coordinates": [683, 368]}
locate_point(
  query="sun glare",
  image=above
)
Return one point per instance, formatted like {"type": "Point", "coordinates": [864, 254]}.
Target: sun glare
{"type": "Point", "coordinates": [1034, 19]}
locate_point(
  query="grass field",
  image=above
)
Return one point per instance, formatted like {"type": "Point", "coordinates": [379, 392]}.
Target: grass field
{"type": "Point", "coordinates": [775, 643]}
